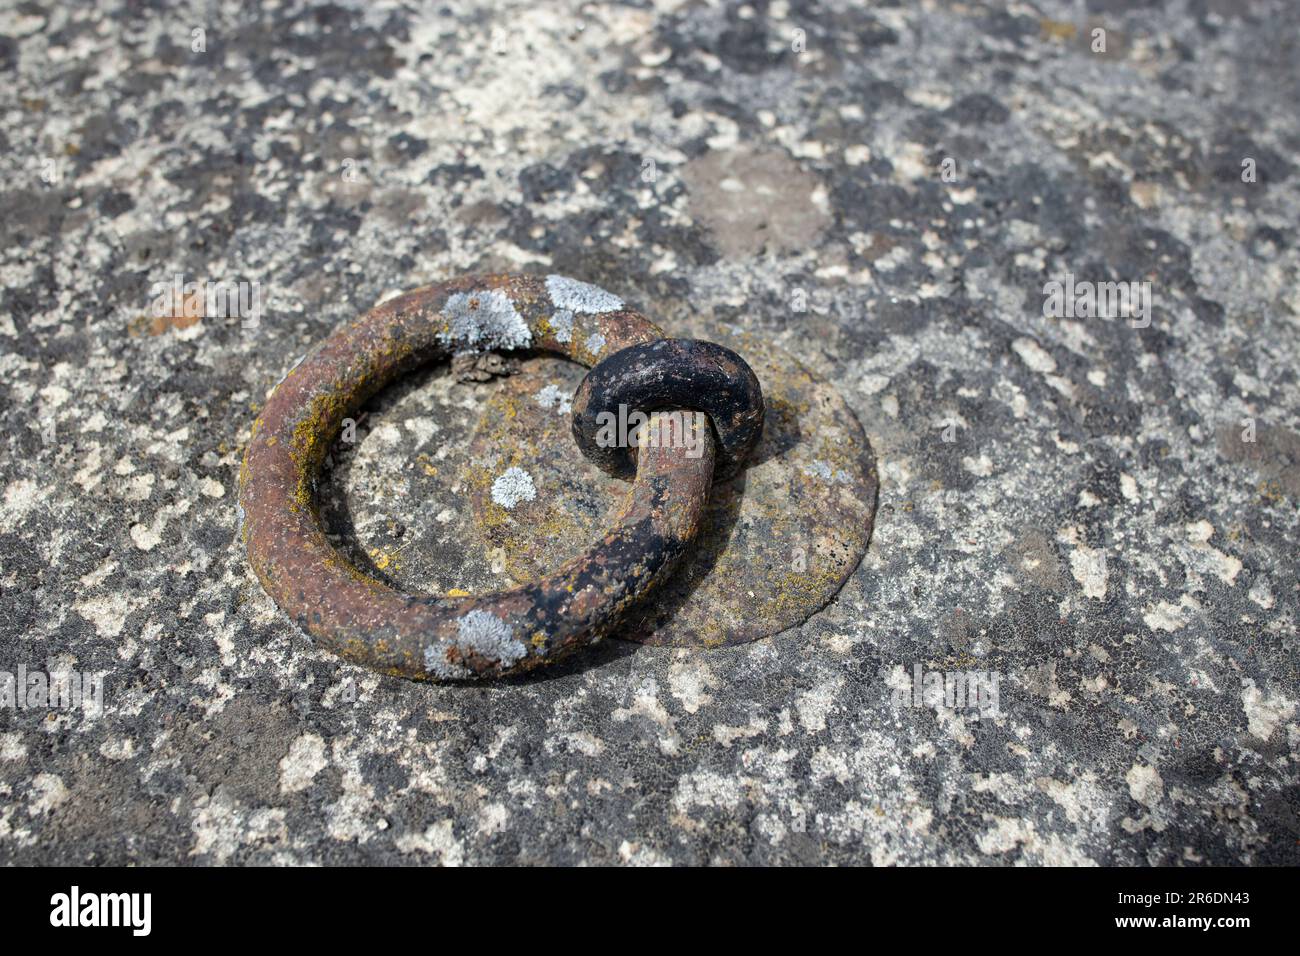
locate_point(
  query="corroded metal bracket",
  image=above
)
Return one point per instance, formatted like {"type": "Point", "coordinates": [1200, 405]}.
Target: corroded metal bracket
{"type": "Point", "coordinates": [429, 637]}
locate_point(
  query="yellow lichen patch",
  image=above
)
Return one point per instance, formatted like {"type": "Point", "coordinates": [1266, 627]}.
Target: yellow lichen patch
{"type": "Point", "coordinates": [1271, 491]}
{"type": "Point", "coordinates": [383, 560]}
{"type": "Point", "coordinates": [1058, 30]}
{"type": "Point", "coordinates": [795, 589]}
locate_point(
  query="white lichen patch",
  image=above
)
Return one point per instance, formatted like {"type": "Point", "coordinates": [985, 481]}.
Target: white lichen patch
{"type": "Point", "coordinates": [513, 486]}
{"type": "Point", "coordinates": [1204, 558]}
{"type": "Point", "coordinates": [595, 342]}
{"type": "Point", "coordinates": [305, 759]}
{"type": "Point", "coordinates": [817, 704]}
{"type": "Point", "coordinates": [212, 488]}
{"type": "Point", "coordinates": [436, 663]}
{"type": "Point", "coordinates": [493, 818]}
{"type": "Point", "coordinates": [107, 613]}
{"type": "Point", "coordinates": [1009, 833]}
{"type": "Point", "coordinates": [1262, 595]}
{"type": "Point", "coordinates": [581, 297]}
{"type": "Point", "coordinates": [562, 324]}
{"type": "Point", "coordinates": [705, 789]}
{"type": "Point", "coordinates": [1264, 713]}
{"type": "Point", "coordinates": [222, 826]}
{"type": "Point", "coordinates": [47, 793]}
{"type": "Point", "coordinates": [120, 749]}
{"type": "Point", "coordinates": [12, 747]}
{"type": "Point", "coordinates": [483, 321]}
{"type": "Point", "coordinates": [144, 537]}
{"type": "Point", "coordinates": [485, 634]}
{"type": "Point", "coordinates": [647, 707]}
{"type": "Point", "coordinates": [1166, 616]}
{"type": "Point", "coordinates": [1088, 565]}
{"type": "Point", "coordinates": [438, 841]}
{"type": "Point", "coordinates": [1034, 355]}
{"type": "Point", "coordinates": [1128, 487]}
{"type": "Point", "coordinates": [636, 854]}
{"type": "Point", "coordinates": [1144, 784]}
{"type": "Point", "coordinates": [20, 497]}
{"type": "Point", "coordinates": [552, 396]}
{"type": "Point", "coordinates": [690, 684]}
{"type": "Point", "coordinates": [821, 469]}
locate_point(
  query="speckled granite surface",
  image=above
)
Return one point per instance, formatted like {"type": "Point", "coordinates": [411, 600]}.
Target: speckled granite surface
{"type": "Point", "coordinates": [1096, 532]}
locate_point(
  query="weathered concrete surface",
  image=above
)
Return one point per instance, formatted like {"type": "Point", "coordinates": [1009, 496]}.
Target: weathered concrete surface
{"type": "Point", "coordinates": [1097, 532]}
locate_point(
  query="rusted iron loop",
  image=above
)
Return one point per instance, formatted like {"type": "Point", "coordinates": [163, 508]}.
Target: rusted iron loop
{"type": "Point", "coordinates": [455, 638]}
{"type": "Point", "coordinates": [669, 373]}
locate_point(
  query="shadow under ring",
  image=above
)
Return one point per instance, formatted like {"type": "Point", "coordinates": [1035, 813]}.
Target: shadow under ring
{"type": "Point", "coordinates": [454, 638]}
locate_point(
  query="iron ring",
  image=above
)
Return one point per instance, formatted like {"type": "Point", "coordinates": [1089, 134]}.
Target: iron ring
{"type": "Point", "coordinates": [456, 638]}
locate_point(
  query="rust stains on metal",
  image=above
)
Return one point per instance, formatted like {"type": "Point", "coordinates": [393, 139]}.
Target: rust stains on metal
{"type": "Point", "coordinates": [455, 638]}
{"type": "Point", "coordinates": [670, 373]}
{"type": "Point", "coordinates": [777, 542]}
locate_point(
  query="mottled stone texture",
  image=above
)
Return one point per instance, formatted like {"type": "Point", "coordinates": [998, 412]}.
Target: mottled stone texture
{"type": "Point", "coordinates": [1096, 532]}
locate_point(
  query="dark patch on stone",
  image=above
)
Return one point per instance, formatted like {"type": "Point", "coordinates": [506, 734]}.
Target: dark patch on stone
{"type": "Point", "coordinates": [978, 109]}
{"type": "Point", "coordinates": [744, 47]}
{"type": "Point", "coordinates": [1274, 454]}
{"type": "Point", "coordinates": [542, 181]}
{"type": "Point", "coordinates": [8, 53]}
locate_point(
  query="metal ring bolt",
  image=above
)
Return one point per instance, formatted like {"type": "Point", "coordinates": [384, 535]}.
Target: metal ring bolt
{"type": "Point", "coordinates": [508, 632]}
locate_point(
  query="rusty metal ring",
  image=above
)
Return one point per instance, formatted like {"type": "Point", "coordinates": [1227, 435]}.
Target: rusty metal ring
{"type": "Point", "coordinates": [669, 373]}
{"type": "Point", "coordinates": [454, 638]}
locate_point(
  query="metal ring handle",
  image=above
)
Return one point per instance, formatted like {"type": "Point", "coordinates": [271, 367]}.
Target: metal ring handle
{"type": "Point", "coordinates": [430, 637]}
{"type": "Point", "coordinates": [669, 373]}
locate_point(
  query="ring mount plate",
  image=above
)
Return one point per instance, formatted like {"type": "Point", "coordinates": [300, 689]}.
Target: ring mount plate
{"type": "Point", "coordinates": [777, 542]}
